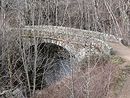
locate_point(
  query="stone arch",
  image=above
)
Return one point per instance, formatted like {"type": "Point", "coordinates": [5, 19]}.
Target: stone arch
{"type": "Point", "coordinates": [66, 36]}
{"type": "Point", "coordinates": [70, 47]}
{"type": "Point", "coordinates": [57, 64]}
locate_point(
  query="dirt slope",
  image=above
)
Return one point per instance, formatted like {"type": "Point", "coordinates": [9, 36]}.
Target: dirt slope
{"type": "Point", "coordinates": [123, 52]}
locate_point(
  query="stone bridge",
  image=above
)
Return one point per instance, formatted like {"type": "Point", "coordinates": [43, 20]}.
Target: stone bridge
{"type": "Point", "coordinates": [78, 42]}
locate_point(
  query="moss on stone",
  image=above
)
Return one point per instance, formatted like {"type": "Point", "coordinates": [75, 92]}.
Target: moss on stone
{"type": "Point", "coordinates": [116, 60]}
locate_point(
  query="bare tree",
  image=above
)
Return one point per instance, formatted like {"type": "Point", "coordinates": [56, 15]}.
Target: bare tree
{"type": "Point", "coordinates": [24, 62]}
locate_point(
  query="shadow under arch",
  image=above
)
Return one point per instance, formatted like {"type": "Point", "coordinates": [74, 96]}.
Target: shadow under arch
{"type": "Point", "coordinates": [52, 64]}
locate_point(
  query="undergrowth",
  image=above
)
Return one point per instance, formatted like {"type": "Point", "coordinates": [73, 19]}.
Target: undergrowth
{"type": "Point", "coordinates": [116, 60]}
{"type": "Point", "coordinates": [120, 79]}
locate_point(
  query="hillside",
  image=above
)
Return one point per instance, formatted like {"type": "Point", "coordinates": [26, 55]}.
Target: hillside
{"type": "Point", "coordinates": [60, 48]}
{"type": "Point", "coordinates": [123, 52]}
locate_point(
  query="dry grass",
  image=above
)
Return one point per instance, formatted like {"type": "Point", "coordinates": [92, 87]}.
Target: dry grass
{"type": "Point", "coordinates": [120, 79]}
{"type": "Point", "coordinates": [108, 16]}
{"type": "Point", "coordinates": [101, 78]}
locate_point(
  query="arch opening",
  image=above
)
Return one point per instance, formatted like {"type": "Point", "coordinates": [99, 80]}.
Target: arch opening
{"type": "Point", "coordinates": [52, 64]}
